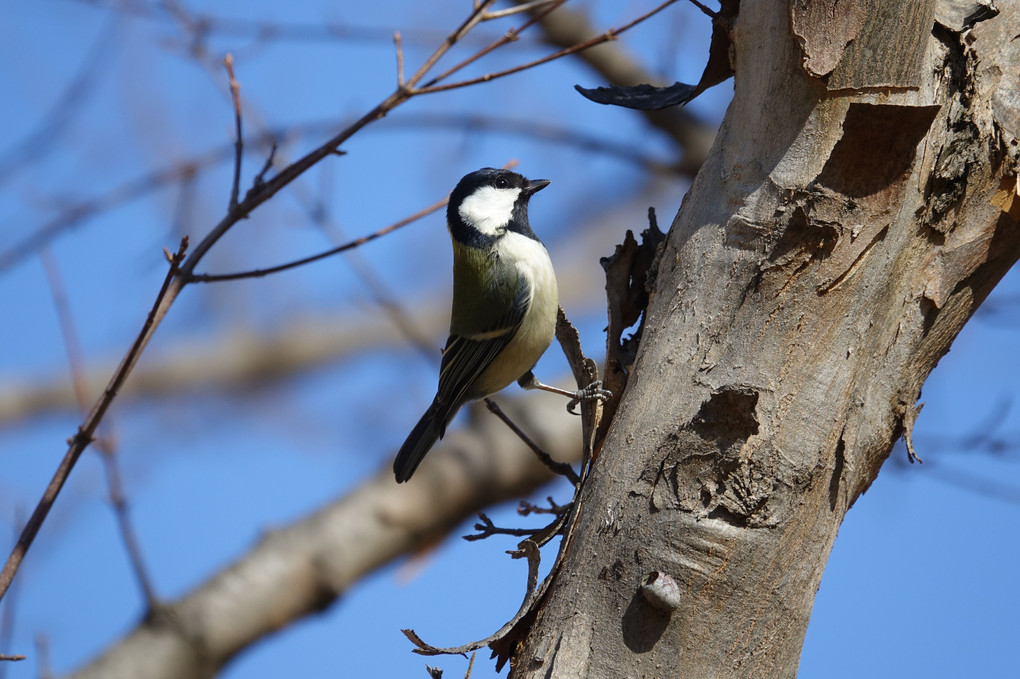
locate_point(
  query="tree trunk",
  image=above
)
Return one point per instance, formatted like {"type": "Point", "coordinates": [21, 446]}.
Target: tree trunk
{"type": "Point", "coordinates": [859, 204]}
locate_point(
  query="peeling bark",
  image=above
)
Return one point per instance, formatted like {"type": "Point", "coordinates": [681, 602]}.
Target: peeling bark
{"type": "Point", "coordinates": [842, 231]}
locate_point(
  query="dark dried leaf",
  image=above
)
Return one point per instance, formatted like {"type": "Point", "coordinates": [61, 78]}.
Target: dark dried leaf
{"type": "Point", "coordinates": [641, 97]}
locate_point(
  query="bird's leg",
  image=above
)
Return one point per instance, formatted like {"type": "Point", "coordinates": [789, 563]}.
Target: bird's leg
{"type": "Point", "coordinates": [592, 391]}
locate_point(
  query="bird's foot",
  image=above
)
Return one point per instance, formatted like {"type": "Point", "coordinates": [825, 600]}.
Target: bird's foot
{"type": "Point", "coordinates": [593, 391]}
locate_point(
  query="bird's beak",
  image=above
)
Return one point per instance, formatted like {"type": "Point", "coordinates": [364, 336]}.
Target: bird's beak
{"type": "Point", "coordinates": [536, 185]}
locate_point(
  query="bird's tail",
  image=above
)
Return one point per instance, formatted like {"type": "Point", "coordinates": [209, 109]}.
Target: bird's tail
{"type": "Point", "coordinates": [430, 427]}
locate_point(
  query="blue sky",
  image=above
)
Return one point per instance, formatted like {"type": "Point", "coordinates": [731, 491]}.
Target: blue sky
{"type": "Point", "coordinates": [920, 580]}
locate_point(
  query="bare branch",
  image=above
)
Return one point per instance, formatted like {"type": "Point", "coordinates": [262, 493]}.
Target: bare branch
{"type": "Point", "coordinates": [486, 529]}
{"type": "Point", "coordinates": [532, 594]}
{"type": "Point", "coordinates": [561, 468]}
{"type": "Point", "coordinates": [235, 94]}
{"type": "Point", "coordinates": [610, 34]}
{"type": "Point", "coordinates": [527, 508]}
{"type": "Point", "coordinates": [400, 58]}
{"type": "Point", "coordinates": [509, 36]}
{"type": "Point", "coordinates": [258, 273]}
{"type": "Point", "coordinates": [525, 7]}
{"type": "Point", "coordinates": [704, 10]}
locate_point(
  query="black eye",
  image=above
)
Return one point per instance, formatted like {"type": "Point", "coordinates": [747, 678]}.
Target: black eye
{"type": "Point", "coordinates": [502, 183]}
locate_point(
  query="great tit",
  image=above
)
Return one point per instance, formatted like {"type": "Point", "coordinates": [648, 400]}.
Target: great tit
{"type": "Point", "coordinates": [504, 303]}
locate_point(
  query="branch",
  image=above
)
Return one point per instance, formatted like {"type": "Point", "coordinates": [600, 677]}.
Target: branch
{"type": "Point", "coordinates": [531, 595]}
{"type": "Point", "coordinates": [258, 273]}
{"type": "Point", "coordinates": [610, 34]}
{"type": "Point", "coordinates": [487, 529]}
{"type": "Point", "coordinates": [561, 468]}
{"type": "Point", "coordinates": [269, 31]}
{"type": "Point", "coordinates": [235, 95]}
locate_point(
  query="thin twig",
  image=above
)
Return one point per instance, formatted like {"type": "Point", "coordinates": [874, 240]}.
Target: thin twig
{"type": "Point", "coordinates": [561, 468]}
{"type": "Point", "coordinates": [527, 508]}
{"type": "Point", "coordinates": [10, 607]}
{"type": "Point", "coordinates": [524, 7]}
{"type": "Point", "coordinates": [510, 36]}
{"type": "Point", "coordinates": [83, 437]}
{"type": "Point", "coordinates": [487, 529]}
{"type": "Point", "coordinates": [258, 273]}
{"type": "Point", "coordinates": [611, 34]}
{"type": "Point", "coordinates": [235, 93]}
{"type": "Point", "coordinates": [705, 10]}
{"type": "Point", "coordinates": [260, 178]}
{"type": "Point", "coordinates": [532, 594]}
{"type": "Point", "coordinates": [400, 58]}
{"type": "Point", "coordinates": [472, 20]}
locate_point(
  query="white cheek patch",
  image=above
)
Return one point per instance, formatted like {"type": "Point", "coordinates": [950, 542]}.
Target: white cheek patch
{"type": "Point", "coordinates": [488, 209]}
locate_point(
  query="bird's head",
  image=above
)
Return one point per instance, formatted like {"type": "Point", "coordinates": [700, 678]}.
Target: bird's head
{"type": "Point", "coordinates": [489, 202]}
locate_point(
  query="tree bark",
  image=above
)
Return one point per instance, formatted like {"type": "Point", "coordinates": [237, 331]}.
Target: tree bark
{"type": "Point", "coordinates": [859, 204]}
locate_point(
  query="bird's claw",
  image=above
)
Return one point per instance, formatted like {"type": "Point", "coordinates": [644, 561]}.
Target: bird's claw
{"type": "Point", "coordinates": [593, 391]}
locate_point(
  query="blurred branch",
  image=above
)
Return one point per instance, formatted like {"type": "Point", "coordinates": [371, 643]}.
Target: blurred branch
{"type": "Point", "coordinates": [104, 443]}
{"type": "Point", "coordinates": [1000, 310]}
{"type": "Point", "coordinates": [536, 129]}
{"type": "Point", "coordinates": [319, 213]}
{"type": "Point", "coordinates": [300, 569]}
{"type": "Point", "coordinates": [84, 436]}
{"type": "Point", "coordinates": [239, 358]}
{"type": "Point", "coordinates": [185, 172]}
{"type": "Point", "coordinates": [49, 132]}
{"type": "Point", "coordinates": [81, 211]}
{"type": "Point", "coordinates": [566, 27]}
{"type": "Point", "coordinates": [977, 484]}
{"type": "Point", "coordinates": [259, 31]}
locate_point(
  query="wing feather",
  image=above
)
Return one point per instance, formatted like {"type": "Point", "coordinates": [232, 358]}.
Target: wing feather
{"type": "Point", "coordinates": [467, 356]}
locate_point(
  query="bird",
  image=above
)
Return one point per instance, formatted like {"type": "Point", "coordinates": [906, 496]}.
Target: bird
{"type": "Point", "coordinates": [505, 303]}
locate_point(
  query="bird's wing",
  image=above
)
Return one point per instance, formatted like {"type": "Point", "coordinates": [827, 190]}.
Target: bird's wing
{"type": "Point", "coordinates": [466, 356]}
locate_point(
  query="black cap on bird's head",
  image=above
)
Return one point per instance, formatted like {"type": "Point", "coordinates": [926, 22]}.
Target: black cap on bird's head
{"type": "Point", "coordinates": [489, 202]}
